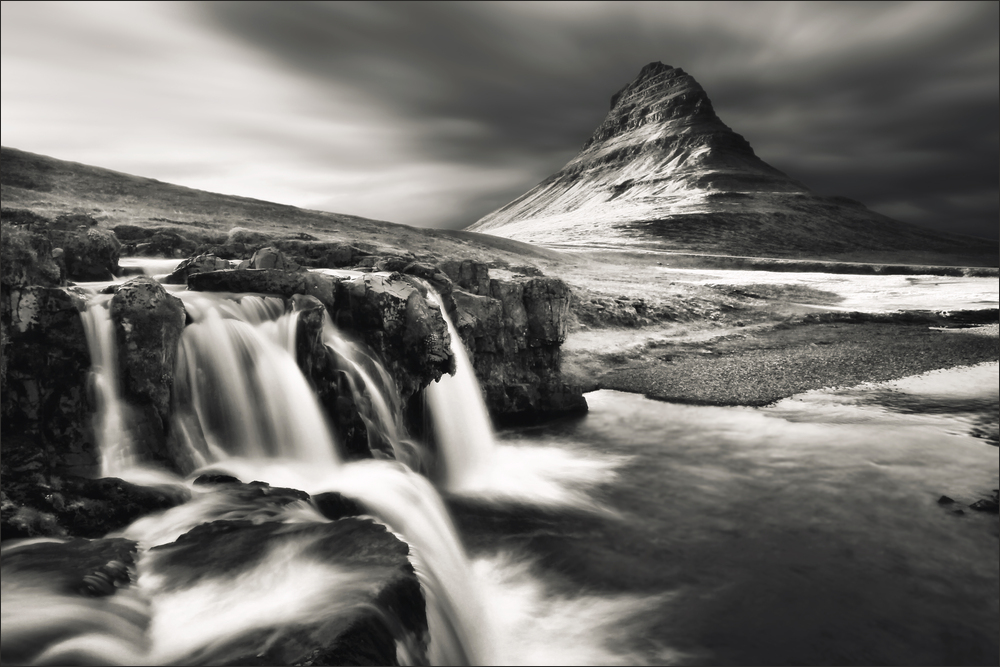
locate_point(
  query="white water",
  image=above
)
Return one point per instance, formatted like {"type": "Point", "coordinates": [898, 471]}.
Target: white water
{"type": "Point", "coordinates": [376, 396]}
{"type": "Point", "coordinates": [117, 454]}
{"type": "Point", "coordinates": [239, 389]}
{"type": "Point", "coordinates": [695, 493]}
{"type": "Point", "coordinates": [462, 428]}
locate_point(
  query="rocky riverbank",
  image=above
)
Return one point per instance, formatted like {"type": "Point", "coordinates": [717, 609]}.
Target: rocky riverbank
{"type": "Point", "coordinates": [764, 365]}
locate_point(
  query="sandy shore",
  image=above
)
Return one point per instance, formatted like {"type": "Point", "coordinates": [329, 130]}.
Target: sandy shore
{"type": "Point", "coordinates": [760, 366]}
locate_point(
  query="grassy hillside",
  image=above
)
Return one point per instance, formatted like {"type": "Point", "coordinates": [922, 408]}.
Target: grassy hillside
{"type": "Point", "coordinates": [50, 187]}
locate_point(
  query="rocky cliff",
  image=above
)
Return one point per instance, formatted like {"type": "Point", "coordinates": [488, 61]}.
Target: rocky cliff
{"type": "Point", "coordinates": [663, 171]}
{"type": "Point", "coordinates": [514, 323]}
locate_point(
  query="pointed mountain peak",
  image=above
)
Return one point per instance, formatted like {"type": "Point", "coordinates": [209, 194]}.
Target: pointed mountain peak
{"type": "Point", "coordinates": [659, 94]}
{"type": "Point", "coordinates": [662, 170]}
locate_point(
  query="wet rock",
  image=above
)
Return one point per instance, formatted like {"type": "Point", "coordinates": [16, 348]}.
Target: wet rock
{"type": "Point", "coordinates": [148, 323]}
{"type": "Point", "coordinates": [65, 596]}
{"type": "Point", "coordinates": [395, 320]}
{"type": "Point", "coordinates": [334, 505]}
{"type": "Point", "coordinates": [91, 254]}
{"type": "Point", "coordinates": [361, 625]}
{"type": "Point", "coordinates": [985, 505]}
{"type": "Point", "coordinates": [216, 478]}
{"type": "Point", "coordinates": [989, 505]}
{"type": "Point", "coordinates": [193, 265]}
{"type": "Point", "coordinates": [50, 505]}
{"type": "Point", "coordinates": [46, 370]}
{"type": "Point", "coordinates": [269, 281]}
{"type": "Point", "coordinates": [80, 566]}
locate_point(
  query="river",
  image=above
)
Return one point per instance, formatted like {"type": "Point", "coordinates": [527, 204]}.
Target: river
{"type": "Point", "coordinates": [808, 532]}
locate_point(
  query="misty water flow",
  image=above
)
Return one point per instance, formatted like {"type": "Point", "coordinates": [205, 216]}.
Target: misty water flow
{"type": "Point", "coordinates": [807, 532]}
{"type": "Point", "coordinates": [864, 293]}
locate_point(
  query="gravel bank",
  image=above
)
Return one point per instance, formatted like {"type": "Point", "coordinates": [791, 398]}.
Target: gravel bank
{"type": "Point", "coordinates": [762, 367]}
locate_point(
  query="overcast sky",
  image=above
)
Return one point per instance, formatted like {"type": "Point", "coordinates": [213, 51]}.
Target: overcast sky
{"type": "Point", "coordinates": [435, 114]}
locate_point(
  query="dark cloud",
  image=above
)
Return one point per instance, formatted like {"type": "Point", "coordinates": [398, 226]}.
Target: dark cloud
{"type": "Point", "coordinates": [437, 113]}
{"type": "Point", "coordinates": [883, 102]}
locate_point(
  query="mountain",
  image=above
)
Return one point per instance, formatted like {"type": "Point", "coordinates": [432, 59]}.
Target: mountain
{"type": "Point", "coordinates": [49, 187]}
{"type": "Point", "coordinates": [664, 172]}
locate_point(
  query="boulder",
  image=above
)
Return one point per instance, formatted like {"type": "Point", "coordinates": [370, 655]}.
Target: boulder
{"type": "Point", "coordinates": [392, 316]}
{"type": "Point", "coordinates": [269, 281]}
{"type": "Point", "coordinates": [376, 607]}
{"type": "Point", "coordinates": [246, 236]}
{"type": "Point", "coordinates": [45, 379]}
{"type": "Point", "coordinates": [270, 258]}
{"type": "Point", "coordinates": [148, 323]}
{"type": "Point", "coordinates": [91, 254]}
{"type": "Point", "coordinates": [198, 264]}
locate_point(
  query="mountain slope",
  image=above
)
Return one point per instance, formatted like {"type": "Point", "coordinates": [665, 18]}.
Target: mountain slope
{"type": "Point", "coordinates": [51, 187]}
{"type": "Point", "coordinates": [664, 172]}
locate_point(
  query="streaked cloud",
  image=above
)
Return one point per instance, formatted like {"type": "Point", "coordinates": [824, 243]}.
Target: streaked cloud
{"type": "Point", "coordinates": [435, 113]}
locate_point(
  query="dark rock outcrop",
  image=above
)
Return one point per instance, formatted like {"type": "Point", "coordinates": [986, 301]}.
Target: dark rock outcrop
{"type": "Point", "coordinates": [45, 370]}
{"type": "Point", "coordinates": [268, 281]}
{"type": "Point", "coordinates": [198, 264]}
{"type": "Point", "coordinates": [362, 623]}
{"type": "Point", "coordinates": [40, 504]}
{"type": "Point", "coordinates": [148, 323]}
{"type": "Point", "coordinates": [91, 254]}
{"type": "Point", "coordinates": [513, 330]}
{"type": "Point", "coordinates": [521, 377]}
{"type": "Point", "coordinates": [391, 315]}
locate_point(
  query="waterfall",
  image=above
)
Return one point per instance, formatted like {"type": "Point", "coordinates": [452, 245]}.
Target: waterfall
{"type": "Point", "coordinates": [238, 389]}
{"type": "Point", "coordinates": [113, 438]}
{"type": "Point", "coordinates": [242, 406]}
{"type": "Point", "coordinates": [461, 633]}
{"type": "Point", "coordinates": [376, 395]}
{"type": "Point", "coordinates": [462, 428]}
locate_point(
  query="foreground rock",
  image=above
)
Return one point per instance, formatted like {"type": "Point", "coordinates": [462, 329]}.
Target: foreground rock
{"type": "Point", "coordinates": [77, 603]}
{"type": "Point", "coordinates": [44, 372]}
{"type": "Point", "coordinates": [147, 324]}
{"type": "Point", "coordinates": [38, 503]}
{"type": "Point", "coordinates": [362, 594]}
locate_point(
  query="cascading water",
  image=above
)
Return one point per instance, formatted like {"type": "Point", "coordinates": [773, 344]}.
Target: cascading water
{"type": "Point", "coordinates": [109, 418]}
{"type": "Point", "coordinates": [242, 405]}
{"type": "Point", "coordinates": [795, 508]}
{"type": "Point", "coordinates": [376, 396]}
{"type": "Point", "coordinates": [239, 389]}
{"type": "Point", "coordinates": [462, 428]}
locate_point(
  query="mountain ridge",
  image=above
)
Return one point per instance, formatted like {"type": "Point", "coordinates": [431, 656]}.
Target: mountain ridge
{"type": "Point", "coordinates": [663, 172]}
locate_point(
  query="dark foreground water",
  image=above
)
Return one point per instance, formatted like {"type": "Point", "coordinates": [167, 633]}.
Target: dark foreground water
{"type": "Point", "coordinates": [809, 532]}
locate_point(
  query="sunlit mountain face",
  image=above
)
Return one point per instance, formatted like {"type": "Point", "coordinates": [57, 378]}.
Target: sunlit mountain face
{"type": "Point", "coordinates": [663, 171]}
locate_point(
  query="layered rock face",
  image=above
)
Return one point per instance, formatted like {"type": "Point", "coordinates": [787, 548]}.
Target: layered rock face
{"type": "Point", "coordinates": [513, 328]}
{"type": "Point", "coordinates": [663, 171]}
